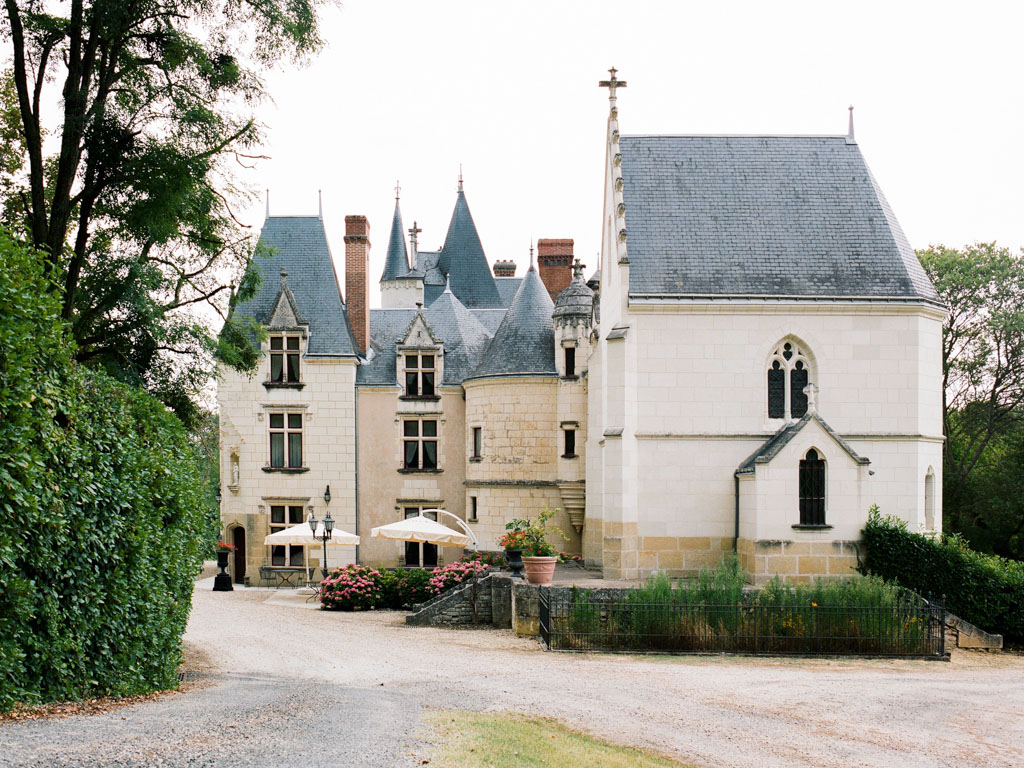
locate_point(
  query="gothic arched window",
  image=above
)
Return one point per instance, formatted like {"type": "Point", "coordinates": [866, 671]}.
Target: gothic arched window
{"type": "Point", "coordinates": [789, 371]}
{"type": "Point", "coordinates": [812, 489]}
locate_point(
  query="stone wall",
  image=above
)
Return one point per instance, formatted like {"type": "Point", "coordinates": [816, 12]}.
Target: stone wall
{"type": "Point", "coordinates": [468, 603]}
{"type": "Point", "coordinates": [797, 561]}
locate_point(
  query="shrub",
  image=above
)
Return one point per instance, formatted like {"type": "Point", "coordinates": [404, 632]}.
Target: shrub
{"type": "Point", "coordinates": [404, 588]}
{"type": "Point", "coordinates": [493, 559]}
{"type": "Point", "coordinates": [985, 590]}
{"type": "Point", "coordinates": [103, 514]}
{"type": "Point", "coordinates": [354, 587]}
{"type": "Point", "coordinates": [455, 573]}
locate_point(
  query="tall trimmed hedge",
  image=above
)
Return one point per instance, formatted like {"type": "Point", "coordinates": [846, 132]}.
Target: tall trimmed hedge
{"type": "Point", "coordinates": [102, 512]}
{"type": "Point", "coordinates": [986, 590]}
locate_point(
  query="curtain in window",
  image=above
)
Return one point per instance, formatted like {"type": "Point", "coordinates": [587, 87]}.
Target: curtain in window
{"type": "Point", "coordinates": [412, 454]}
{"type": "Point", "coordinates": [295, 449]}
{"type": "Point", "coordinates": [429, 454]}
{"type": "Point", "coordinates": [276, 449]}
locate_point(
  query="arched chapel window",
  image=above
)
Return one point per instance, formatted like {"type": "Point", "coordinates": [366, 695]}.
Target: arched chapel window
{"type": "Point", "coordinates": [789, 371]}
{"type": "Point", "coordinates": [812, 489]}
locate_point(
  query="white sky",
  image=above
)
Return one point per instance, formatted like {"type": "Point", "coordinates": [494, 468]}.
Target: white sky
{"type": "Point", "coordinates": [409, 90]}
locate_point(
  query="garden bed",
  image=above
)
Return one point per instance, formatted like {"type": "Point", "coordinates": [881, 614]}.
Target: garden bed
{"type": "Point", "coordinates": [715, 614]}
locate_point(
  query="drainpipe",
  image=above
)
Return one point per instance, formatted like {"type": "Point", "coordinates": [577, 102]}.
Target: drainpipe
{"type": "Point", "coordinates": [736, 530]}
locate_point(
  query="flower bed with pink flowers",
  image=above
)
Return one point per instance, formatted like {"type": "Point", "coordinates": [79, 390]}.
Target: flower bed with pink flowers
{"type": "Point", "coordinates": [455, 573]}
{"type": "Point", "coordinates": [359, 587]}
{"type": "Point", "coordinates": [352, 588]}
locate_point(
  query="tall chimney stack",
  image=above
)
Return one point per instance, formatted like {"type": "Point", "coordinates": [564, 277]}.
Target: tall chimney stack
{"type": "Point", "coordinates": [357, 287]}
{"type": "Point", "coordinates": [554, 259]}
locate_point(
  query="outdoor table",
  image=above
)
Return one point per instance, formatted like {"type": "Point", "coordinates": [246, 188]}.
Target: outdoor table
{"type": "Point", "coordinates": [284, 575]}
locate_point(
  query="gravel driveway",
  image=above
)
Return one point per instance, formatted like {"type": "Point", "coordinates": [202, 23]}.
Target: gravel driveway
{"type": "Point", "coordinates": [287, 685]}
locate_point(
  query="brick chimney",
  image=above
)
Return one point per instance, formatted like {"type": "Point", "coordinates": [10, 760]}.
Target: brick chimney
{"type": "Point", "coordinates": [504, 269]}
{"type": "Point", "coordinates": [357, 287]}
{"type": "Point", "coordinates": [554, 260]}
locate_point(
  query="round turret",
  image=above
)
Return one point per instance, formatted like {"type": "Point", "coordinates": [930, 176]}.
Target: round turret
{"type": "Point", "coordinates": [575, 302]}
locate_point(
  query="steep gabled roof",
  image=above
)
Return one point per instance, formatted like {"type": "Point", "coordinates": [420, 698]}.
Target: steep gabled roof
{"type": "Point", "coordinates": [525, 341]}
{"type": "Point", "coordinates": [396, 263]}
{"type": "Point", "coordinates": [463, 261]}
{"type": "Point", "coordinates": [772, 216]}
{"type": "Point", "coordinates": [771, 447]}
{"type": "Point", "coordinates": [298, 245]}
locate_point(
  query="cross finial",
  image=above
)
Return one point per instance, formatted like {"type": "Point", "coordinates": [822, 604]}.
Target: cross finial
{"type": "Point", "coordinates": [577, 270]}
{"type": "Point", "coordinates": [612, 83]}
{"type": "Point", "coordinates": [398, 189]}
{"type": "Point", "coordinates": [811, 391]}
{"type": "Point", "coordinates": [414, 230]}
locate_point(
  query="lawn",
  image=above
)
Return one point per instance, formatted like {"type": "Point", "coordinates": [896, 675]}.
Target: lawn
{"type": "Point", "coordinates": [508, 740]}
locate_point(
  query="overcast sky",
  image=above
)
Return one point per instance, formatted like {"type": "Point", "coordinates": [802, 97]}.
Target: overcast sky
{"type": "Point", "coordinates": [409, 90]}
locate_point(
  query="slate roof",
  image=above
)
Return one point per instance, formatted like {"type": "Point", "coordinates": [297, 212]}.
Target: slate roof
{"type": "Point", "coordinates": [396, 264]}
{"type": "Point", "coordinates": [463, 261]}
{"type": "Point", "coordinates": [795, 216]}
{"type": "Point", "coordinates": [463, 335]}
{"type": "Point", "coordinates": [299, 245]}
{"type": "Point", "coordinates": [507, 287]}
{"type": "Point", "coordinates": [576, 300]}
{"type": "Point", "coordinates": [525, 340]}
{"type": "Point", "coordinates": [771, 447]}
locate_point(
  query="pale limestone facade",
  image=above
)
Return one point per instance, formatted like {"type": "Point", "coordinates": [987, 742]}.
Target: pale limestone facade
{"type": "Point", "coordinates": [327, 404]}
{"type": "Point", "coordinates": [647, 417]}
{"type": "Point", "coordinates": [678, 401]}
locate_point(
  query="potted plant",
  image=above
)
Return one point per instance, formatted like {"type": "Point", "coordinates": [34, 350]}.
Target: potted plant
{"type": "Point", "coordinates": [514, 542]}
{"type": "Point", "coordinates": [539, 555]}
{"type": "Point", "coordinates": [222, 582]}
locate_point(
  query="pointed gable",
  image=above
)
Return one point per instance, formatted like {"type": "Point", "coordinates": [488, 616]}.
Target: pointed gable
{"type": "Point", "coordinates": [463, 261]}
{"type": "Point", "coordinates": [774, 444]}
{"type": "Point", "coordinates": [396, 264]}
{"type": "Point", "coordinates": [298, 245]}
{"type": "Point", "coordinates": [285, 314]}
{"type": "Point", "coordinates": [419, 333]}
{"type": "Point", "coordinates": [525, 341]}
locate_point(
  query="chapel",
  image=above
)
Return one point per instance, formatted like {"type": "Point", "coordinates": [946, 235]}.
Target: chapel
{"type": "Point", "coordinates": [753, 364]}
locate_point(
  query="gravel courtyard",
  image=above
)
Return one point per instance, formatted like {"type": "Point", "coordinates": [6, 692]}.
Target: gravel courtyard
{"type": "Point", "coordinates": [283, 684]}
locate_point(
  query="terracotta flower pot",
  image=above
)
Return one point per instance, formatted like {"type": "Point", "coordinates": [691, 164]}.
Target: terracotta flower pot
{"type": "Point", "coordinates": [540, 570]}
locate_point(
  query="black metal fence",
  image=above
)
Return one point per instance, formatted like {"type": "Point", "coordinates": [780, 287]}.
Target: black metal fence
{"type": "Point", "coordinates": [910, 627]}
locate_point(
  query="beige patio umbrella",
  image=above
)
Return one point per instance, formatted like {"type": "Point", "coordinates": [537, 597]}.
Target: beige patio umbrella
{"type": "Point", "coordinates": [426, 531]}
{"type": "Point", "coordinates": [303, 534]}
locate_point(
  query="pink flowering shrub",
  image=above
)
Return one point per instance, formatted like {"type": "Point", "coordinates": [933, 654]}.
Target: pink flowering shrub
{"type": "Point", "coordinates": [455, 573]}
{"type": "Point", "coordinates": [354, 587]}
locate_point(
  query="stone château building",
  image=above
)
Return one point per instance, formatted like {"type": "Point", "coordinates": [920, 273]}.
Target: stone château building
{"type": "Point", "coordinates": [755, 362]}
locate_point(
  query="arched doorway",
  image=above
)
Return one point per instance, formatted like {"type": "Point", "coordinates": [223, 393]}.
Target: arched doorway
{"type": "Point", "coordinates": [238, 566]}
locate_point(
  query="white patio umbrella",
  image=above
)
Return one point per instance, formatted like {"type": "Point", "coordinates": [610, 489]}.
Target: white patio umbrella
{"type": "Point", "coordinates": [426, 531]}
{"type": "Point", "coordinates": [302, 534]}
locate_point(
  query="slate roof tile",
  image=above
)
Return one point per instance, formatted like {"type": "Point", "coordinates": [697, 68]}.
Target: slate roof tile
{"type": "Point", "coordinates": [762, 216]}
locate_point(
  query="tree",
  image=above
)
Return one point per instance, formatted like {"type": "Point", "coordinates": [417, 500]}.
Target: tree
{"type": "Point", "coordinates": [983, 385]}
{"type": "Point", "coordinates": [128, 191]}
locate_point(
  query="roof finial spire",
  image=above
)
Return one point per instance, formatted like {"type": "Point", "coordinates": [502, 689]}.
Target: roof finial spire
{"type": "Point", "coordinates": [460, 177]}
{"type": "Point", "coordinates": [448, 283]}
{"type": "Point", "coordinates": [268, 203]}
{"type": "Point", "coordinates": [531, 253]}
{"type": "Point", "coordinates": [398, 189]}
{"type": "Point", "coordinates": [320, 203]}
{"type": "Point", "coordinates": [849, 132]}
{"type": "Point", "coordinates": [611, 84]}
{"type": "Point", "coordinates": [284, 279]}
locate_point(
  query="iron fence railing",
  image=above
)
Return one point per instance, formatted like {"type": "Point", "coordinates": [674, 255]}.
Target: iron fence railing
{"type": "Point", "coordinates": [911, 627]}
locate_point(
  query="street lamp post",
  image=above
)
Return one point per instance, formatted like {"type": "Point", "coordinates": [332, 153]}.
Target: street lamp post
{"type": "Point", "coordinates": [328, 527]}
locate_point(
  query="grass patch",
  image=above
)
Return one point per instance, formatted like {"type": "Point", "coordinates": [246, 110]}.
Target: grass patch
{"type": "Point", "coordinates": [509, 740]}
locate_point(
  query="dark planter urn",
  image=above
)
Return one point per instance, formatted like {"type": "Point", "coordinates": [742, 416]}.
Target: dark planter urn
{"type": "Point", "coordinates": [514, 558]}
{"type": "Point", "coordinates": [222, 581]}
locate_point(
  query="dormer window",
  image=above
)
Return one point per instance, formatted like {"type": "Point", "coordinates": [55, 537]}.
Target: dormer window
{"type": "Point", "coordinates": [284, 359]}
{"type": "Point", "coordinates": [420, 375]}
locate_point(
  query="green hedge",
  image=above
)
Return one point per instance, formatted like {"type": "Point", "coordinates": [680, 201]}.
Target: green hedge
{"type": "Point", "coordinates": [103, 512]}
{"type": "Point", "coordinates": [986, 590]}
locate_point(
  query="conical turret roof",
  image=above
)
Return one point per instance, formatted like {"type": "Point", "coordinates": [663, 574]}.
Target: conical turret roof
{"type": "Point", "coordinates": [524, 343]}
{"type": "Point", "coordinates": [464, 336]}
{"type": "Point", "coordinates": [396, 264]}
{"type": "Point", "coordinates": [463, 261]}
